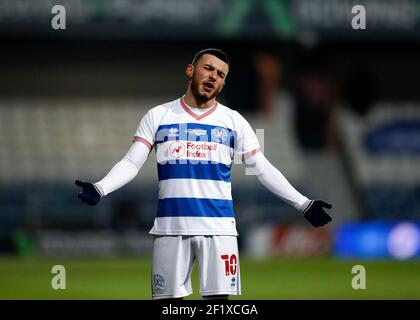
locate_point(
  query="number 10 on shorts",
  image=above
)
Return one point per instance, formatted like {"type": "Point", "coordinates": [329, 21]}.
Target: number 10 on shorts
{"type": "Point", "coordinates": [230, 264]}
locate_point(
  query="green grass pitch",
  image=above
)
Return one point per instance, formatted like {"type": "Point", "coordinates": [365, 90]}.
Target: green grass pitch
{"type": "Point", "coordinates": [274, 279]}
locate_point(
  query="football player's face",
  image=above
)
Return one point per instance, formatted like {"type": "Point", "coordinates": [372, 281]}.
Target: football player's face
{"type": "Point", "coordinates": [208, 76]}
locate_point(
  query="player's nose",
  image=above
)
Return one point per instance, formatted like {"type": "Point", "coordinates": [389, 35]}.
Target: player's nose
{"type": "Point", "coordinates": [212, 76]}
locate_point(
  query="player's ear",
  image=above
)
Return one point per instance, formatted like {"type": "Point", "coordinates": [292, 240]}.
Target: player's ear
{"type": "Point", "coordinates": [189, 71]}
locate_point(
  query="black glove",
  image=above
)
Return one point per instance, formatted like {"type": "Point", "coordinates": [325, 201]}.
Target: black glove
{"type": "Point", "coordinates": [89, 193]}
{"type": "Point", "coordinates": [315, 213]}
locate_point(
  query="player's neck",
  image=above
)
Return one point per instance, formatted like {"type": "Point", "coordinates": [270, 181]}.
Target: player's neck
{"type": "Point", "coordinates": [192, 102]}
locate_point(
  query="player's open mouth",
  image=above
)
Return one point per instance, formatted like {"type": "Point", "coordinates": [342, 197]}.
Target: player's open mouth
{"type": "Point", "coordinates": [208, 86]}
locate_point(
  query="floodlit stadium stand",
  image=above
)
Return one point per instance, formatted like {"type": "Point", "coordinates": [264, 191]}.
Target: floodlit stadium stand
{"type": "Point", "coordinates": [383, 149]}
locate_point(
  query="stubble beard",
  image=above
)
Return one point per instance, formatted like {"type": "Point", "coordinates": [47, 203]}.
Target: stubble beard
{"type": "Point", "coordinates": [200, 98]}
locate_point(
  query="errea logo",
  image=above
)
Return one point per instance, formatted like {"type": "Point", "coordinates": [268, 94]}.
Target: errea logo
{"type": "Point", "coordinates": [173, 132]}
{"type": "Point", "coordinates": [176, 149]}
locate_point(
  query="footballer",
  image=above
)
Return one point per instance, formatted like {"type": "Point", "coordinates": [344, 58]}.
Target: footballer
{"type": "Point", "coordinates": [196, 139]}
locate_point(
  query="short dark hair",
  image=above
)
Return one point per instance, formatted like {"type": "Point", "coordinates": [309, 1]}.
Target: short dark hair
{"type": "Point", "coordinates": [213, 51]}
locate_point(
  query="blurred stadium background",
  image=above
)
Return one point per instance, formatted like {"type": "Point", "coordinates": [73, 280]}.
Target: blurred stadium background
{"type": "Point", "coordinates": [340, 110]}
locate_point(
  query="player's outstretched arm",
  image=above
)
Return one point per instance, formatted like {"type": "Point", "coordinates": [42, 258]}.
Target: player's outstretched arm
{"type": "Point", "coordinates": [121, 174]}
{"type": "Point", "coordinates": [273, 179]}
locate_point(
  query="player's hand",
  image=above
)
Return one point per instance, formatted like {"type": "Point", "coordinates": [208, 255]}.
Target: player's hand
{"type": "Point", "coordinates": [315, 213]}
{"type": "Point", "coordinates": [88, 194]}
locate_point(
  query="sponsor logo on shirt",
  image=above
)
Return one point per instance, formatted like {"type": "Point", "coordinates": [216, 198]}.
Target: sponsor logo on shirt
{"type": "Point", "coordinates": [176, 149]}
{"type": "Point", "coordinates": [192, 149]}
{"type": "Point", "coordinates": [196, 132]}
{"type": "Point", "coordinates": [200, 149]}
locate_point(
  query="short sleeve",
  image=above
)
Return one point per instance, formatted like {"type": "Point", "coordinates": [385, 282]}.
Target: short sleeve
{"type": "Point", "coordinates": [147, 128]}
{"type": "Point", "coordinates": [247, 141]}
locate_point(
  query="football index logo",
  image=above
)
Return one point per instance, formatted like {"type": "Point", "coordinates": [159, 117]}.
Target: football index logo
{"type": "Point", "coordinates": [176, 149]}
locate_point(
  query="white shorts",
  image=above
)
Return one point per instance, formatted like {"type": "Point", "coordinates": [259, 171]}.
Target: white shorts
{"type": "Point", "coordinates": [174, 257]}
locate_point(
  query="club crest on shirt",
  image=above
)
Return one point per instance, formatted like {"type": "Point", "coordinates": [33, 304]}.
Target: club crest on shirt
{"type": "Point", "coordinates": [219, 134]}
{"type": "Point", "coordinates": [233, 282]}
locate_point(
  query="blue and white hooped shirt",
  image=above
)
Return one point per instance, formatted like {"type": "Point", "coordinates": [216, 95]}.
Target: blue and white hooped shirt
{"type": "Point", "coordinates": [194, 155]}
